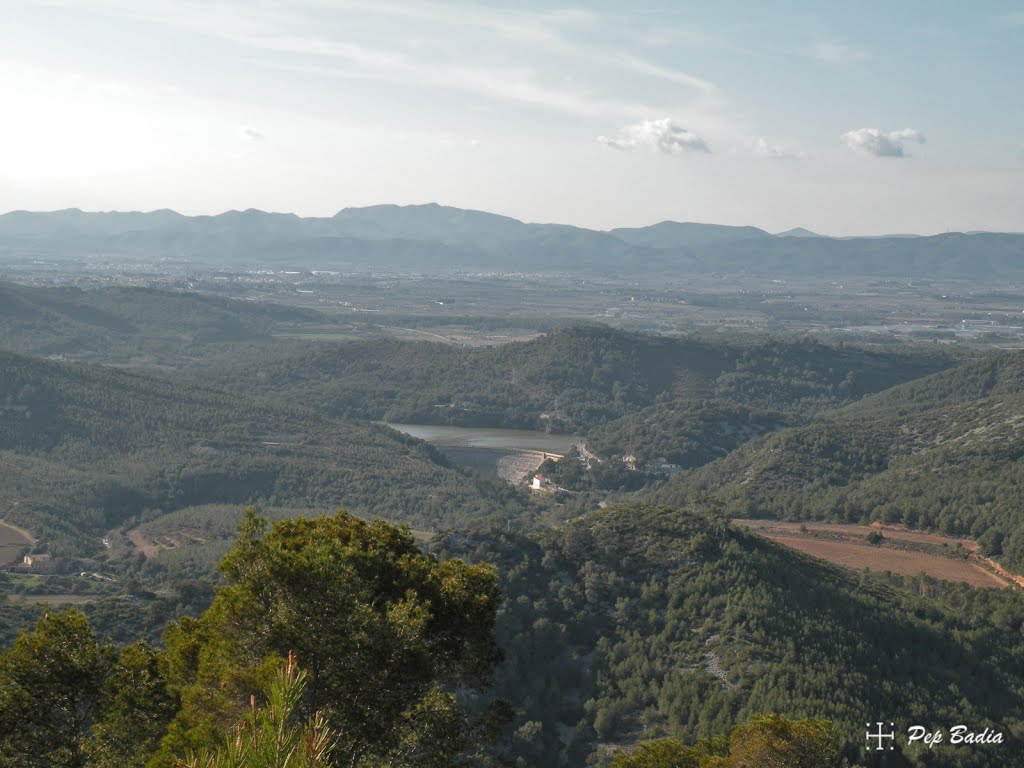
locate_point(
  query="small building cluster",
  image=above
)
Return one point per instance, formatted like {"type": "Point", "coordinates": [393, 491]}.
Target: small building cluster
{"type": "Point", "coordinates": [656, 466]}
{"type": "Point", "coordinates": [661, 466]}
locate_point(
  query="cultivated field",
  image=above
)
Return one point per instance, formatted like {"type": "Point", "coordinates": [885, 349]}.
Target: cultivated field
{"type": "Point", "coordinates": [156, 536]}
{"type": "Point", "coordinates": [12, 542]}
{"type": "Point", "coordinates": [901, 551]}
{"type": "Point", "coordinates": [53, 600]}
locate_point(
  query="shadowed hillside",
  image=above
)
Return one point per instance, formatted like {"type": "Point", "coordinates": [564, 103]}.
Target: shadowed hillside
{"type": "Point", "coordinates": [85, 447]}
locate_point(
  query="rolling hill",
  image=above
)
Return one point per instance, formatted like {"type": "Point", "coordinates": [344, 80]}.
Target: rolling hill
{"type": "Point", "coordinates": [85, 448]}
{"type": "Point", "coordinates": [569, 380]}
{"type": "Point", "coordinates": [120, 322]}
{"type": "Point", "coordinates": [636, 622]}
{"type": "Point", "coordinates": [676, 235]}
{"type": "Point", "coordinates": [943, 452]}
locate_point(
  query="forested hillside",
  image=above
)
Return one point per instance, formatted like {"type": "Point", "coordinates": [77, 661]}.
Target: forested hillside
{"type": "Point", "coordinates": [85, 447]}
{"type": "Point", "coordinates": [635, 622]}
{"type": "Point", "coordinates": [940, 453]}
{"type": "Point", "coordinates": [625, 625]}
{"type": "Point", "coordinates": [120, 323]}
{"type": "Point", "coordinates": [569, 380]}
{"type": "Point", "coordinates": [994, 374]}
{"type": "Point", "coordinates": [687, 433]}
{"type": "Point", "coordinates": [385, 633]}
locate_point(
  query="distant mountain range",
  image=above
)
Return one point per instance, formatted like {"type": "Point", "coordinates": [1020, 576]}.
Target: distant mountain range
{"type": "Point", "coordinates": [799, 232]}
{"type": "Point", "coordinates": [438, 238]}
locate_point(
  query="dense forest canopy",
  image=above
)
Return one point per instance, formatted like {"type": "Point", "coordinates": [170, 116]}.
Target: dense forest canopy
{"type": "Point", "coordinates": [121, 323]}
{"type": "Point", "coordinates": [569, 380]}
{"type": "Point", "coordinates": [939, 453]}
{"type": "Point", "coordinates": [640, 621]}
{"type": "Point", "coordinates": [629, 634]}
{"type": "Point", "coordinates": [86, 447]}
{"type": "Point", "coordinates": [386, 633]}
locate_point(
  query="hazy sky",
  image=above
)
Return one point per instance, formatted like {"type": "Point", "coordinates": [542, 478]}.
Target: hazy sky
{"type": "Point", "coordinates": [862, 117]}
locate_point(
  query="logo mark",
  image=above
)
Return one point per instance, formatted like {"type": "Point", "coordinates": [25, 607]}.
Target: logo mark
{"type": "Point", "coordinates": [882, 735]}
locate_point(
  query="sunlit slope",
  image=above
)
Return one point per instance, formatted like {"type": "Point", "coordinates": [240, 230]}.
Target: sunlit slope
{"type": "Point", "coordinates": [943, 453]}
{"type": "Point", "coordinates": [569, 380]}
{"type": "Point", "coordinates": [112, 323]}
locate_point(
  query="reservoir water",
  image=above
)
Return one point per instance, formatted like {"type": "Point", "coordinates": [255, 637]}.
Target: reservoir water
{"type": "Point", "coordinates": [512, 454]}
{"type": "Point", "coordinates": [487, 437]}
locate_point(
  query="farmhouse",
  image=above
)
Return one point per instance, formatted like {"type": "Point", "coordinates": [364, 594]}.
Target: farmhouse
{"type": "Point", "coordinates": [539, 482]}
{"type": "Point", "coordinates": [36, 559]}
{"type": "Point", "coordinates": [661, 466]}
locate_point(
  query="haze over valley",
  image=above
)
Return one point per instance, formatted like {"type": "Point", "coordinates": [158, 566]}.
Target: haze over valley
{"type": "Point", "coordinates": [427, 384]}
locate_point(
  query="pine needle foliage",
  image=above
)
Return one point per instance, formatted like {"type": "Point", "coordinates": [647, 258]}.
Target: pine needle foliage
{"type": "Point", "coordinates": [269, 735]}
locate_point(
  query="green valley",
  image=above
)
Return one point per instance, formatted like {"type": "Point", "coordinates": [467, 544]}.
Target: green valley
{"type": "Point", "coordinates": [634, 618]}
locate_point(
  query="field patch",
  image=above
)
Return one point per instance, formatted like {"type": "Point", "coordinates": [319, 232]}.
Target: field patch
{"type": "Point", "coordinates": [907, 553]}
{"type": "Point", "coordinates": [54, 600]}
{"type": "Point", "coordinates": [12, 541]}
{"type": "Point", "coordinates": [193, 528]}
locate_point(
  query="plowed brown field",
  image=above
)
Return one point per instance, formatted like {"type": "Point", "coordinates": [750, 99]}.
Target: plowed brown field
{"type": "Point", "coordinates": [904, 552]}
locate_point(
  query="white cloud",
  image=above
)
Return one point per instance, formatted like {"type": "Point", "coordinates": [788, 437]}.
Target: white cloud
{"type": "Point", "coordinates": [247, 132]}
{"type": "Point", "coordinates": [872, 141]}
{"type": "Point", "coordinates": [324, 36]}
{"type": "Point", "coordinates": [451, 140]}
{"type": "Point", "coordinates": [762, 148]}
{"type": "Point", "coordinates": [837, 53]}
{"type": "Point", "coordinates": [659, 135]}
{"type": "Point", "coordinates": [665, 73]}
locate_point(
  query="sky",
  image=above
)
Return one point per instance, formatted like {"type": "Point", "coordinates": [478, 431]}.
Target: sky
{"type": "Point", "coordinates": [844, 118]}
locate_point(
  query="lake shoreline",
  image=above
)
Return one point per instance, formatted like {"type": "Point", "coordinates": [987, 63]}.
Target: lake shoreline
{"type": "Point", "coordinates": [511, 454]}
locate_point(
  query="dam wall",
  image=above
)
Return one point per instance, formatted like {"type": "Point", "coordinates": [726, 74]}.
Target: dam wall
{"type": "Point", "coordinates": [511, 464]}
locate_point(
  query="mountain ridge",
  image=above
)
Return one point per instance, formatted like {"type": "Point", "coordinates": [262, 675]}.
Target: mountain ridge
{"type": "Point", "coordinates": [436, 237]}
{"type": "Point", "coordinates": [361, 211]}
